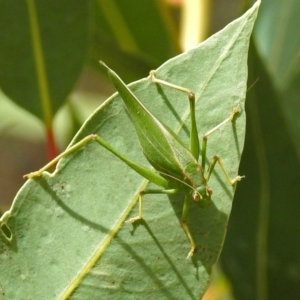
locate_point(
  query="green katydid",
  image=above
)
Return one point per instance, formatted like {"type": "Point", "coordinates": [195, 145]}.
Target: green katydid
{"type": "Point", "coordinates": [176, 167]}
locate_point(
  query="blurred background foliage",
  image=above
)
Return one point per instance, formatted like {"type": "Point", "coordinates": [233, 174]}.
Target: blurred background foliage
{"type": "Point", "coordinates": [50, 82]}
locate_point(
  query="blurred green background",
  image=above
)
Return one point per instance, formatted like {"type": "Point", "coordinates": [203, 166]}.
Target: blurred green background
{"type": "Point", "coordinates": [52, 83]}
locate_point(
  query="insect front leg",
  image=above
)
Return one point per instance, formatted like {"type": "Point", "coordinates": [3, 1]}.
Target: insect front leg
{"type": "Point", "coordinates": [184, 213]}
{"type": "Point", "coordinates": [149, 191]}
{"type": "Point", "coordinates": [218, 160]}
{"type": "Point", "coordinates": [185, 226]}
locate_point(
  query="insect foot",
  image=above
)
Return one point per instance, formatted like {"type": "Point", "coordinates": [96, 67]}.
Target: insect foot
{"type": "Point", "coordinates": [237, 178]}
{"type": "Point", "coordinates": [32, 174]}
{"type": "Point", "coordinates": [140, 216]}
{"type": "Point", "coordinates": [191, 253]}
{"type": "Point", "coordinates": [235, 111]}
{"type": "Point", "coordinates": [132, 220]}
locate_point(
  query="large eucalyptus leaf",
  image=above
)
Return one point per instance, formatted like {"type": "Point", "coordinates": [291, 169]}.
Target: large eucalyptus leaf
{"type": "Point", "coordinates": [65, 234]}
{"type": "Point", "coordinates": [261, 255]}
{"type": "Point", "coordinates": [41, 42]}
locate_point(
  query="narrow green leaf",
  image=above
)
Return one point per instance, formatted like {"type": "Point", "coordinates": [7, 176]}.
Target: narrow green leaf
{"type": "Point", "coordinates": [133, 38]}
{"type": "Point", "coordinates": [68, 237]}
{"type": "Point", "coordinates": [277, 36]}
{"type": "Point", "coordinates": [278, 39]}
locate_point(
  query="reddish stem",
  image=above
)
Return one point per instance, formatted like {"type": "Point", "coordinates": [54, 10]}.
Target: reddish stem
{"type": "Point", "coordinates": [52, 150]}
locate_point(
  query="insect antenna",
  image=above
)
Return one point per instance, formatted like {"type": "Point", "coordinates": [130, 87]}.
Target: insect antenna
{"type": "Point", "coordinates": [252, 85]}
{"type": "Point", "coordinates": [177, 179]}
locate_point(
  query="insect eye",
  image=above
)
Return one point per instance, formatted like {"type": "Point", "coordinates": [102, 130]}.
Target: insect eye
{"type": "Point", "coordinates": [197, 197]}
{"type": "Point", "coordinates": [209, 191]}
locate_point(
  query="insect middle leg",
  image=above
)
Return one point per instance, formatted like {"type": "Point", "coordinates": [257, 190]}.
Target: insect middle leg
{"type": "Point", "coordinates": [194, 139]}
{"type": "Point", "coordinates": [217, 159]}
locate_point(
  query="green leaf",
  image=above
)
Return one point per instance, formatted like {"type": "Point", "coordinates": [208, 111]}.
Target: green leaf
{"type": "Point", "coordinates": [261, 255]}
{"type": "Point", "coordinates": [133, 38]}
{"type": "Point", "coordinates": [17, 122]}
{"type": "Point", "coordinates": [68, 235]}
{"type": "Point", "coordinates": [42, 41]}
{"type": "Point", "coordinates": [277, 37]}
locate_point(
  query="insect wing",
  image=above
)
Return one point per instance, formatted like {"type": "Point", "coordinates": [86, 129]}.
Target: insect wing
{"type": "Point", "coordinates": [161, 146]}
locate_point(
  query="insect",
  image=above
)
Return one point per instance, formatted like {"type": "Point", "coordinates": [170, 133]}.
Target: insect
{"type": "Point", "coordinates": [176, 167]}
